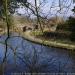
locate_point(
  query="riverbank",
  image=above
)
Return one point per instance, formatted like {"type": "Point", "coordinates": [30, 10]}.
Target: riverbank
{"type": "Point", "coordinates": [50, 43]}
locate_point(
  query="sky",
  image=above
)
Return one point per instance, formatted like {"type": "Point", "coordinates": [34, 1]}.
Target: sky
{"type": "Point", "coordinates": [51, 8]}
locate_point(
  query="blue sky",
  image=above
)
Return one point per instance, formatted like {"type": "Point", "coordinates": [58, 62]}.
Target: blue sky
{"type": "Point", "coordinates": [50, 7]}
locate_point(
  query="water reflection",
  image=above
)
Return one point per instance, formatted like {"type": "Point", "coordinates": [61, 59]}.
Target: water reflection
{"type": "Point", "coordinates": [24, 56]}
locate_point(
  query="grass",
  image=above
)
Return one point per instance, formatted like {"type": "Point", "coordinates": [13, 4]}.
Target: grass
{"type": "Point", "coordinates": [40, 35]}
{"type": "Point", "coordinates": [50, 43]}
{"type": "Point", "coordinates": [37, 33]}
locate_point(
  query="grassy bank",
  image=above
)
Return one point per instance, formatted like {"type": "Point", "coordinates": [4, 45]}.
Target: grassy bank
{"type": "Point", "coordinates": [52, 43]}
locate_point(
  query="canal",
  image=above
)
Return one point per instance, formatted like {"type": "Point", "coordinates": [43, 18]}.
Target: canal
{"type": "Point", "coordinates": [25, 56]}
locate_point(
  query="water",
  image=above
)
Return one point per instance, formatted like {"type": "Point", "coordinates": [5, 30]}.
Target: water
{"type": "Point", "coordinates": [25, 56]}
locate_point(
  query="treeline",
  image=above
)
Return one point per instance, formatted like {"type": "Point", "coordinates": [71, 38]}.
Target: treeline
{"type": "Point", "coordinates": [68, 26]}
{"type": "Point", "coordinates": [64, 30]}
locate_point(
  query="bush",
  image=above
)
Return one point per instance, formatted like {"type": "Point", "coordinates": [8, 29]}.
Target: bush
{"type": "Point", "coordinates": [57, 35]}
{"type": "Point", "coordinates": [64, 27]}
{"type": "Point", "coordinates": [72, 37]}
{"type": "Point", "coordinates": [69, 25]}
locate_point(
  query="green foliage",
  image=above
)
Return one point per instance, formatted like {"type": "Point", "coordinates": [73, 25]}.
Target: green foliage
{"type": "Point", "coordinates": [11, 21]}
{"type": "Point", "coordinates": [63, 27]}
{"type": "Point", "coordinates": [71, 23]}
{"type": "Point", "coordinates": [12, 5]}
{"type": "Point", "coordinates": [37, 33]}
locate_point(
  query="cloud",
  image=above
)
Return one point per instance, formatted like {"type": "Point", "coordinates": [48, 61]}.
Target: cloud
{"type": "Point", "coordinates": [53, 4]}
